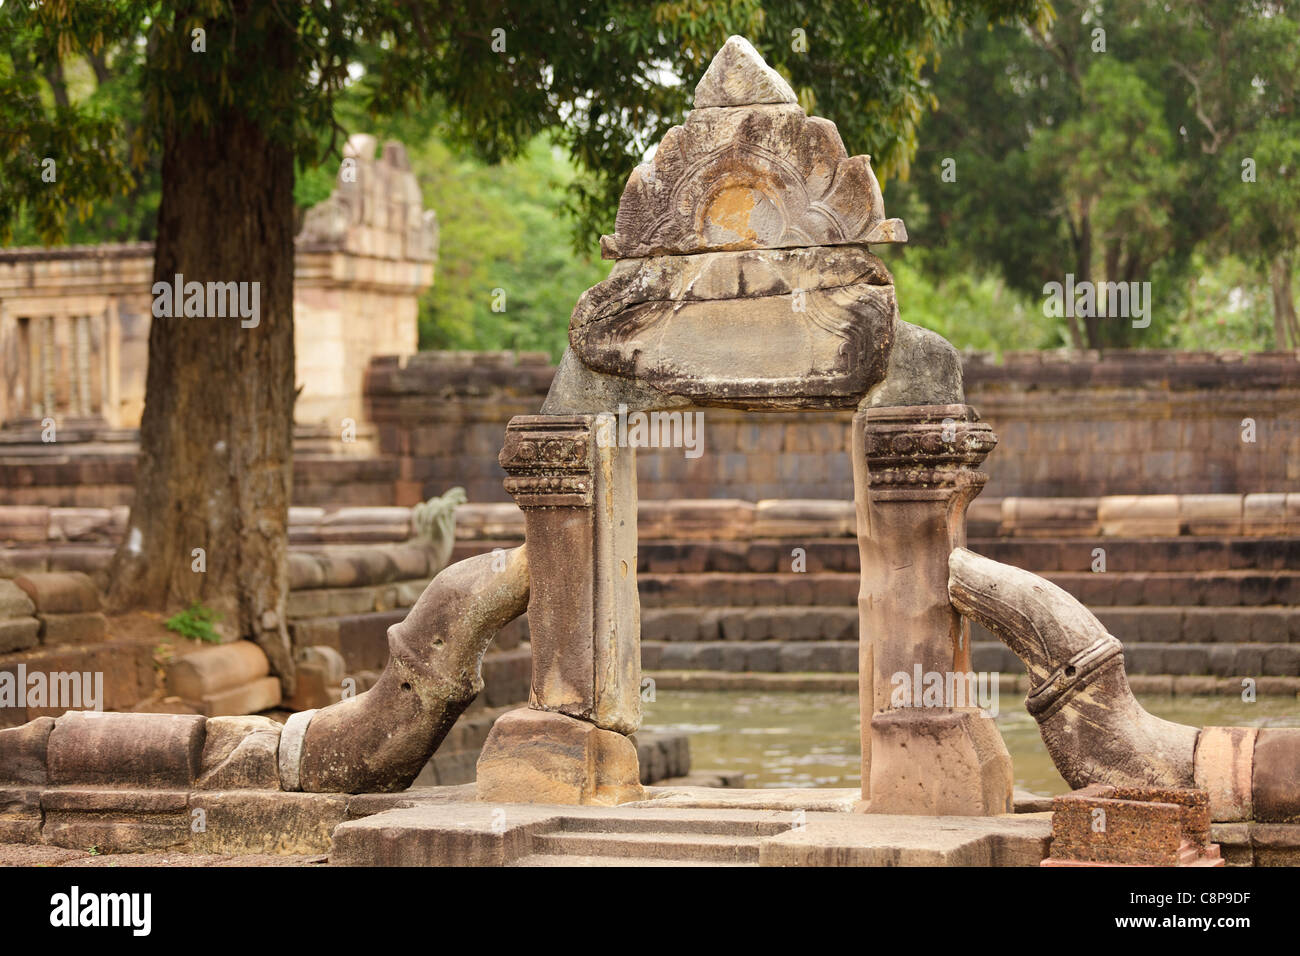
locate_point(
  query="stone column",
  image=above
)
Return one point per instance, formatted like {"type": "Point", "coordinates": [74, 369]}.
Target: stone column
{"type": "Point", "coordinates": [927, 748]}
{"type": "Point", "coordinates": [47, 367]}
{"type": "Point", "coordinates": [578, 494]}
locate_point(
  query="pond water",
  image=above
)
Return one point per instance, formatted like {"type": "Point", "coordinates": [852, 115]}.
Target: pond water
{"type": "Point", "coordinates": [797, 739]}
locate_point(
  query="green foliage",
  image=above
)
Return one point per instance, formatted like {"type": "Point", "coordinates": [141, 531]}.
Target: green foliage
{"type": "Point", "coordinates": [195, 622]}
{"type": "Point", "coordinates": [504, 241]}
{"type": "Point", "coordinates": [58, 160]}
{"type": "Point", "coordinates": [1264, 215]}
{"type": "Point", "coordinates": [973, 312]}
{"type": "Point", "coordinates": [1122, 164]}
{"type": "Point", "coordinates": [606, 78]}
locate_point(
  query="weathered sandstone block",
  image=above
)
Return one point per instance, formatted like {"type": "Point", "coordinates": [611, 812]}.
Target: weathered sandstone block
{"type": "Point", "coordinates": [259, 694]}
{"type": "Point", "coordinates": [115, 820]}
{"type": "Point", "coordinates": [240, 753]}
{"type": "Point", "coordinates": [212, 669]}
{"type": "Point", "coordinates": [22, 752]}
{"type": "Point", "coordinates": [788, 328]}
{"type": "Point", "coordinates": [1275, 786]}
{"type": "Point", "coordinates": [77, 628]}
{"type": "Point", "coordinates": [60, 592]}
{"type": "Point", "coordinates": [739, 77]}
{"type": "Point", "coordinates": [1223, 766]}
{"type": "Point", "coordinates": [536, 757]}
{"type": "Point", "coordinates": [20, 814]}
{"type": "Point", "coordinates": [579, 500]}
{"type": "Point", "coordinates": [112, 749]}
{"type": "Point", "coordinates": [761, 176]}
{"type": "Point", "coordinates": [255, 821]}
{"type": "Point", "coordinates": [19, 634]}
{"type": "Point", "coordinates": [1133, 826]}
{"type": "Point", "coordinates": [14, 601]}
{"type": "Point", "coordinates": [938, 762]}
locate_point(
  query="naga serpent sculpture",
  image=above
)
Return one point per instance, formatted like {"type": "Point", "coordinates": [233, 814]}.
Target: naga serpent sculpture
{"type": "Point", "coordinates": [1094, 728]}
{"type": "Point", "coordinates": [379, 740]}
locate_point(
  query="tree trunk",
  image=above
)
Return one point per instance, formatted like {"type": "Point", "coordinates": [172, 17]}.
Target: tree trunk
{"type": "Point", "coordinates": [1080, 244]}
{"type": "Point", "coordinates": [1286, 327]}
{"type": "Point", "coordinates": [1091, 323]}
{"type": "Point", "coordinates": [214, 470]}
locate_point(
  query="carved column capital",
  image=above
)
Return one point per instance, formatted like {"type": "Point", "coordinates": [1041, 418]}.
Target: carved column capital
{"type": "Point", "coordinates": [925, 450]}
{"type": "Point", "coordinates": [548, 460]}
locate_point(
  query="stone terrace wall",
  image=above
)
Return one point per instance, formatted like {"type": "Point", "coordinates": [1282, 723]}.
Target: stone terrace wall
{"type": "Point", "coordinates": [1128, 423]}
{"type": "Point", "coordinates": [1125, 423]}
{"type": "Point", "coordinates": [1140, 422]}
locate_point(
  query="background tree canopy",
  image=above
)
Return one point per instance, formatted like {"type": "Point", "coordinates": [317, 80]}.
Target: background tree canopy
{"type": "Point", "coordinates": [1112, 163]}
{"type": "Point", "coordinates": [1115, 145]}
{"type": "Point", "coordinates": [224, 104]}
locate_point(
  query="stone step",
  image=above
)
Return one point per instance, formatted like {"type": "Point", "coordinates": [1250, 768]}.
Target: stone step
{"type": "Point", "coordinates": [1180, 588]}
{"type": "Point", "coordinates": [1202, 625]}
{"type": "Point", "coordinates": [755, 656]}
{"type": "Point", "coordinates": [701, 847]}
{"type": "Point", "coordinates": [739, 589]}
{"type": "Point", "coordinates": [670, 823]}
{"type": "Point", "coordinates": [799, 683]}
{"type": "Point", "coordinates": [1267, 553]}
{"type": "Point", "coordinates": [789, 623]}
{"type": "Point", "coordinates": [771, 556]}
{"type": "Point", "coordinates": [567, 859]}
{"type": "Point", "coordinates": [841, 657]}
{"type": "Point", "coordinates": [1216, 660]}
{"type": "Point", "coordinates": [1132, 625]}
{"type": "Point", "coordinates": [840, 588]}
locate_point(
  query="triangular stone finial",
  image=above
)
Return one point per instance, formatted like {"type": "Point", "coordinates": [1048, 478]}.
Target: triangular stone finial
{"type": "Point", "coordinates": [738, 76]}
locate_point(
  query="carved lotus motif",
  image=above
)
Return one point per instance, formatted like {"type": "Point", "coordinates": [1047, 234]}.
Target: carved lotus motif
{"type": "Point", "coordinates": [759, 177]}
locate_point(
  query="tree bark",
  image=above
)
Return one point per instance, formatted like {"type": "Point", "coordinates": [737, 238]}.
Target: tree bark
{"type": "Point", "coordinates": [214, 470]}
{"type": "Point", "coordinates": [1091, 323]}
{"type": "Point", "coordinates": [1286, 327]}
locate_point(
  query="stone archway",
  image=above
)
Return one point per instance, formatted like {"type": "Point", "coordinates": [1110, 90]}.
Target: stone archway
{"type": "Point", "coordinates": [745, 280]}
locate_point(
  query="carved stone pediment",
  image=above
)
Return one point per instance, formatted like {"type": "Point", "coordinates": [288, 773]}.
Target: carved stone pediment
{"type": "Point", "coordinates": [763, 328]}
{"type": "Point", "coordinates": [748, 170]}
{"type": "Point", "coordinates": [744, 276]}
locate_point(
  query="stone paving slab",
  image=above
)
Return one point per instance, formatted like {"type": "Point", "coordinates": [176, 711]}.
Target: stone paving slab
{"type": "Point", "coordinates": [787, 832]}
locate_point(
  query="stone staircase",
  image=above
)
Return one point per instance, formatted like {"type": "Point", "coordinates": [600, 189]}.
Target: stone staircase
{"type": "Point", "coordinates": [681, 827]}
{"type": "Point", "coordinates": [673, 839]}
{"type": "Point", "coordinates": [1204, 605]}
{"type": "Point", "coordinates": [1202, 590]}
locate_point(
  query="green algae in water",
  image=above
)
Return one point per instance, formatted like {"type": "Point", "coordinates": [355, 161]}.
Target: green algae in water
{"type": "Point", "coordinates": [798, 739]}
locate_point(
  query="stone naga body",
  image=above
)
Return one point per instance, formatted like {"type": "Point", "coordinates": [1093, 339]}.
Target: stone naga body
{"type": "Point", "coordinates": [1093, 726]}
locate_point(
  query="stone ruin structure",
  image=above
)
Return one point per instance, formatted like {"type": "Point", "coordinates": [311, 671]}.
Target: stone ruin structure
{"type": "Point", "coordinates": [74, 321]}
{"type": "Point", "coordinates": [744, 280]}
